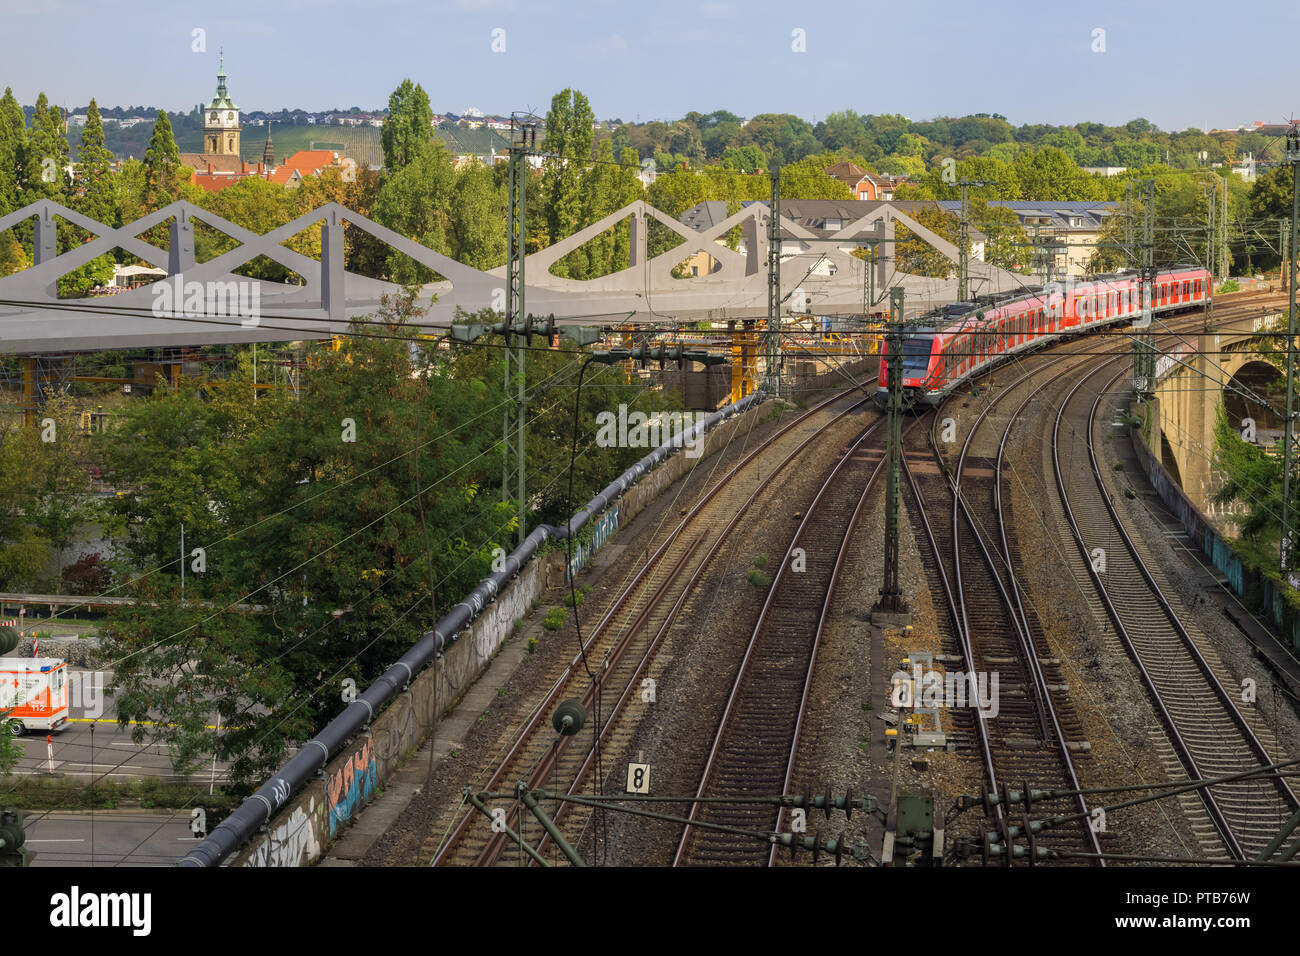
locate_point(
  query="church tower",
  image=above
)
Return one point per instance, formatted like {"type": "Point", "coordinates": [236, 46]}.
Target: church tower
{"type": "Point", "coordinates": [221, 120]}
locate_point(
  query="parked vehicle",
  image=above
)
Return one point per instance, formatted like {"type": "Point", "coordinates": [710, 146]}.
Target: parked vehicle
{"type": "Point", "coordinates": [34, 693]}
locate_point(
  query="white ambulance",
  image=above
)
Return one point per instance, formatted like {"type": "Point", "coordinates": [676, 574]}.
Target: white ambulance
{"type": "Point", "coordinates": [34, 693]}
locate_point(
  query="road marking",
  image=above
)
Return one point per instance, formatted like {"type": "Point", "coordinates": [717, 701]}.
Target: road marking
{"type": "Point", "coordinates": [141, 723]}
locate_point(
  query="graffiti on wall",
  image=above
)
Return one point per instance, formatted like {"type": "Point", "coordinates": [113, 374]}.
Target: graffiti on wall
{"type": "Point", "coordinates": [351, 786]}
{"type": "Point", "coordinates": [292, 843]}
{"type": "Point", "coordinates": [601, 532]}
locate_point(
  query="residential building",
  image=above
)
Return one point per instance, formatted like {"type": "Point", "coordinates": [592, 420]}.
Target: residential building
{"type": "Point", "coordinates": [1075, 225]}
{"type": "Point", "coordinates": [865, 184]}
{"type": "Point", "coordinates": [821, 217]}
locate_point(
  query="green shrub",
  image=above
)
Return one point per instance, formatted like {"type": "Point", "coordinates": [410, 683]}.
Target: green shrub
{"type": "Point", "coordinates": [758, 578]}
{"type": "Point", "coordinates": [760, 561]}
{"type": "Point", "coordinates": [555, 618]}
{"type": "Point", "coordinates": [532, 644]}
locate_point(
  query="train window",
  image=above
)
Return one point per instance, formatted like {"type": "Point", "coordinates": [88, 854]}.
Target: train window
{"type": "Point", "coordinates": [916, 354]}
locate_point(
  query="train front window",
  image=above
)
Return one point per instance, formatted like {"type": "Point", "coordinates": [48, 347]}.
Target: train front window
{"type": "Point", "coordinates": [916, 354]}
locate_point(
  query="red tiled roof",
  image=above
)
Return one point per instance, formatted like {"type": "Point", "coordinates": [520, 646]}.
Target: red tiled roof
{"type": "Point", "coordinates": [281, 175]}
{"type": "Point", "coordinates": [311, 160]}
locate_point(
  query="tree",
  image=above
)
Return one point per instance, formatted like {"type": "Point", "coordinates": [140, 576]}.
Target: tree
{"type": "Point", "coordinates": [745, 159]}
{"type": "Point", "coordinates": [479, 223]}
{"type": "Point", "coordinates": [417, 202]}
{"type": "Point", "coordinates": [46, 154]}
{"type": "Point", "coordinates": [13, 147]}
{"type": "Point", "coordinates": [408, 127]}
{"type": "Point", "coordinates": [259, 206]}
{"type": "Point", "coordinates": [23, 549]}
{"type": "Point", "coordinates": [349, 542]}
{"type": "Point", "coordinates": [61, 502]}
{"type": "Point", "coordinates": [1049, 174]}
{"type": "Point", "coordinates": [807, 179]}
{"type": "Point", "coordinates": [93, 195]}
{"type": "Point", "coordinates": [1005, 239]}
{"type": "Point", "coordinates": [916, 256]}
{"type": "Point", "coordinates": [569, 139]}
{"type": "Point", "coordinates": [162, 165]}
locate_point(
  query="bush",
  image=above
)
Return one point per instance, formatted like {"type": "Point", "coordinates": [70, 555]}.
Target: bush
{"type": "Point", "coordinates": [555, 618]}
{"type": "Point", "coordinates": [1229, 286]}
{"type": "Point", "coordinates": [760, 561]}
{"type": "Point", "coordinates": [87, 575]}
{"type": "Point", "coordinates": [758, 578]}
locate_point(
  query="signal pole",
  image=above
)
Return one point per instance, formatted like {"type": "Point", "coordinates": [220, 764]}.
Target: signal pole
{"type": "Point", "coordinates": [1288, 452]}
{"type": "Point", "coordinates": [892, 609]}
{"type": "Point", "coordinates": [772, 338]}
{"type": "Point", "coordinates": [963, 237]}
{"type": "Point", "coordinates": [963, 241]}
{"type": "Point", "coordinates": [1210, 254]}
{"type": "Point", "coordinates": [1144, 358]}
{"type": "Point", "coordinates": [515, 451]}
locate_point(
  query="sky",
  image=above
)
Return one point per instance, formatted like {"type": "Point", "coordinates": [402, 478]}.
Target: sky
{"type": "Point", "coordinates": [1178, 64]}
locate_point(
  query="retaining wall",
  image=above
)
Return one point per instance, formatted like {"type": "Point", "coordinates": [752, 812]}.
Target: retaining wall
{"type": "Point", "coordinates": [1257, 591]}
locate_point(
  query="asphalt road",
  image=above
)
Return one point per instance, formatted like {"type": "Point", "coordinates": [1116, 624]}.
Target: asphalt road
{"type": "Point", "coordinates": [92, 744]}
{"type": "Point", "coordinates": [109, 837]}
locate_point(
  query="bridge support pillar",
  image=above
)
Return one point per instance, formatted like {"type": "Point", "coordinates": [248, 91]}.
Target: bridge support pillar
{"type": "Point", "coordinates": [638, 245]}
{"type": "Point", "coordinates": [45, 241]}
{"type": "Point", "coordinates": [180, 247]}
{"type": "Point", "coordinates": [333, 299]}
{"type": "Point", "coordinates": [884, 252]}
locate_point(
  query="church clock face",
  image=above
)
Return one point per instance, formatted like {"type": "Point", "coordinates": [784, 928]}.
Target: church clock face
{"type": "Point", "coordinates": [230, 116]}
{"type": "Point", "coordinates": [212, 115]}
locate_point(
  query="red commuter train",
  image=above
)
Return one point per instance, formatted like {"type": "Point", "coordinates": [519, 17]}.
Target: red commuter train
{"type": "Point", "coordinates": [965, 339]}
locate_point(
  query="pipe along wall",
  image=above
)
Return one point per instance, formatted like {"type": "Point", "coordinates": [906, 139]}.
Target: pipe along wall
{"type": "Point", "coordinates": [258, 810]}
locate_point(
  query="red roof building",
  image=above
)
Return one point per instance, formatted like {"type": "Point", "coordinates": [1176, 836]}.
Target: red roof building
{"type": "Point", "coordinates": [213, 179]}
{"type": "Point", "coordinates": [865, 184]}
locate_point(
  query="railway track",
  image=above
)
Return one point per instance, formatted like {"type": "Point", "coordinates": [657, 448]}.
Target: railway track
{"type": "Point", "coordinates": [1034, 730]}
{"type": "Point", "coordinates": [1037, 731]}
{"type": "Point", "coordinates": [621, 644]}
{"type": "Point", "coordinates": [754, 746]}
{"type": "Point", "coordinates": [1179, 667]}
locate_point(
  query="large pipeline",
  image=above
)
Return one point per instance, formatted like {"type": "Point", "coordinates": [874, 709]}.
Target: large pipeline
{"type": "Point", "coordinates": [233, 832]}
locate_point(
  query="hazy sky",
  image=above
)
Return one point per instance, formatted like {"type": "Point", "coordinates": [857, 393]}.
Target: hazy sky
{"type": "Point", "coordinates": [1179, 64]}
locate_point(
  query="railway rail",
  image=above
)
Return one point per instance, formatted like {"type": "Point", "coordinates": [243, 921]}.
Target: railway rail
{"type": "Point", "coordinates": [1178, 666]}
{"type": "Point", "coordinates": [755, 743]}
{"type": "Point", "coordinates": [620, 646]}
{"type": "Point", "coordinates": [1037, 731]}
{"type": "Point", "coordinates": [1033, 733]}
{"type": "Point", "coordinates": [1035, 736]}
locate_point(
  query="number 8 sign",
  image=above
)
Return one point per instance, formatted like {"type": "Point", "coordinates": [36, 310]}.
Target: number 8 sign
{"type": "Point", "coordinates": [638, 778]}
